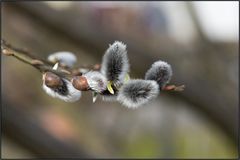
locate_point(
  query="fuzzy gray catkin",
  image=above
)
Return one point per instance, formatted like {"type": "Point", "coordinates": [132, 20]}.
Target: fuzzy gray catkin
{"type": "Point", "coordinates": [137, 92]}
{"type": "Point", "coordinates": [107, 96]}
{"type": "Point", "coordinates": [161, 72]}
{"type": "Point", "coordinates": [65, 92]}
{"type": "Point", "coordinates": [96, 81]}
{"type": "Point", "coordinates": [115, 63]}
{"type": "Point", "coordinates": [63, 57]}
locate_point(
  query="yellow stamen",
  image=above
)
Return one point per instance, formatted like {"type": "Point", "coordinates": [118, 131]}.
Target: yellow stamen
{"type": "Point", "coordinates": [109, 87]}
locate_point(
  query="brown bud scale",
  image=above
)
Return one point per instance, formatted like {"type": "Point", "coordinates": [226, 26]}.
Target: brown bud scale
{"type": "Point", "coordinates": [80, 83]}
{"type": "Point", "coordinates": [52, 80]}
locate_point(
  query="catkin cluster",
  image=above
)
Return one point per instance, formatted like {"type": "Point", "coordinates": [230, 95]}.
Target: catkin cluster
{"type": "Point", "coordinates": [112, 82]}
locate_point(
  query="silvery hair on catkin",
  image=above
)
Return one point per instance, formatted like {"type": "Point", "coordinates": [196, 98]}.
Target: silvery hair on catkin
{"type": "Point", "coordinates": [65, 92]}
{"type": "Point", "coordinates": [64, 57]}
{"type": "Point", "coordinates": [115, 63]}
{"type": "Point", "coordinates": [137, 92]}
{"type": "Point", "coordinates": [161, 72]}
{"type": "Point", "coordinates": [96, 81]}
{"type": "Point", "coordinates": [112, 82]}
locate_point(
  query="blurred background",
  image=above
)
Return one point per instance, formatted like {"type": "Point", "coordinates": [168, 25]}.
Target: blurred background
{"type": "Point", "coordinates": [200, 41]}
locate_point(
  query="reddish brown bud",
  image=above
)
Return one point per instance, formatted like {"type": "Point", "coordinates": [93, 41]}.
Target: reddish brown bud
{"type": "Point", "coordinates": [97, 66]}
{"type": "Point", "coordinates": [52, 80]}
{"type": "Point", "coordinates": [80, 83]}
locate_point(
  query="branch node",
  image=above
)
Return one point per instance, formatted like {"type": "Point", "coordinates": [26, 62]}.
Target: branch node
{"type": "Point", "coordinates": [7, 52]}
{"type": "Point", "coordinates": [36, 62]}
{"type": "Point", "coordinates": [174, 88]}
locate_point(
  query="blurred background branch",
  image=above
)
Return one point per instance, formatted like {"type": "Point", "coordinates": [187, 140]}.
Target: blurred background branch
{"type": "Point", "coordinates": [28, 136]}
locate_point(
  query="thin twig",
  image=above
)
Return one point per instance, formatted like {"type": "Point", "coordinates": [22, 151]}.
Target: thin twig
{"type": "Point", "coordinates": [39, 64]}
{"type": "Point", "coordinates": [174, 88]}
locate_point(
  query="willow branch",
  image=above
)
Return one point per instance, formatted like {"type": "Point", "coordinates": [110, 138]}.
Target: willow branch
{"type": "Point", "coordinates": [40, 64]}
{"type": "Point", "coordinates": [46, 66]}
